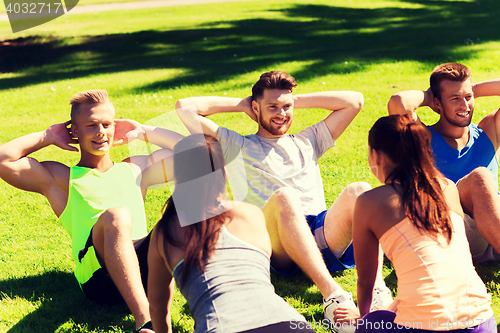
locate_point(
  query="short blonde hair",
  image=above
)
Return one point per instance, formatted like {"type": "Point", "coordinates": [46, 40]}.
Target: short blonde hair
{"type": "Point", "coordinates": [88, 97]}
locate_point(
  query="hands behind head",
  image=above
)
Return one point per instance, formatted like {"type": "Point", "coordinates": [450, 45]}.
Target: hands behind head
{"type": "Point", "coordinates": [127, 130]}
{"type": "Point", "coordinates": [432, 105]}
{"type": "Point", "coordinates": [61, 136]}
{"type": "Point", "coordinates": [247, 103]}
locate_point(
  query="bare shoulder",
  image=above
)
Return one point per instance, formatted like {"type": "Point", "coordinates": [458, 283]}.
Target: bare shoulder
{"type": "Point", "coordinates": [248, 224]}
{"type": "Point", "coordinates": [382, 197]}
{"type": "Point", "coordinates": [379, 209]}
{"type": "Point", "coordinates": [247, 216]}
{"type": "Point", "coordinates": [245, 210]}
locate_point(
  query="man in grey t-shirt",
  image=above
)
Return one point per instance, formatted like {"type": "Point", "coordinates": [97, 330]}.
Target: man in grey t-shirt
{"type": "Point", "coordinates": [280, 174]}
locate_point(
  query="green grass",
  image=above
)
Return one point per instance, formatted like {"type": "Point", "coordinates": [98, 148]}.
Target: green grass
{"type": "Point", "coordinates": [149, 58]}
{"type": "Point", "coordinates": [84, 3]}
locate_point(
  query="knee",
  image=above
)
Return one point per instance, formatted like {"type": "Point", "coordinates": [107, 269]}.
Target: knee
{"type": "Point", "coordinates": [284, 197]}
{"type": "Point", "coordinates": [482, 175]}
{"type": "Point", "coordinates": [283, 206]}
{"type": "Point", "coordinates": [480, 179]}
{"type": "Point", "coordinates": [354, 190]}
{"type": "Point", "coordinates": [116, 219]}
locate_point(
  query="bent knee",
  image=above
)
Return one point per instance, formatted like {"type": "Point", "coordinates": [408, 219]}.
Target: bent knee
{"type": "Point", "coordinates": [285, 195]}
{"type": "Point", "coordinates": [357, 188]}
{"type": "Point", "coordinates": [479, 178]}
{"type": "Point", "coordinates": [482, 174]}
{"type": "Point", "coordinates": [116, 218]}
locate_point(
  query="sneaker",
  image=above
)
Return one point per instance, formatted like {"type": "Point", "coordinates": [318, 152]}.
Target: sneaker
{"type": "Point", "coordinates": [382, 298]}
{"type": "Point", "coordinates": [339, 298]}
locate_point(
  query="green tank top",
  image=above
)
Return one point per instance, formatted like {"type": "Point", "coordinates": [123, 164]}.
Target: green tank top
{"type": "Point", "coordinates": [92, 192]}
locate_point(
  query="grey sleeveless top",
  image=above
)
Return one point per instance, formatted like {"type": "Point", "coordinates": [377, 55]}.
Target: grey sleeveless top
{"type": "Point", "coordinates": [234, 293]}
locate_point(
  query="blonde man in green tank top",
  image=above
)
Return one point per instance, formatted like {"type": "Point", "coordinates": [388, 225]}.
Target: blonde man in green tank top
{"type": "Point", "coordinates": [98, 201]}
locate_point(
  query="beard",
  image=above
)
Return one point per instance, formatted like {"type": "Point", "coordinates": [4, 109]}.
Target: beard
{"type": "Point", "coordinates": [274, 129]}
{"type": "Point", "coordinates": [462, 122]}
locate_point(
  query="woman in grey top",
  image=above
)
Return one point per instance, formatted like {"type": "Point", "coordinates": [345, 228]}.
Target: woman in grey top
{"type": "Point", "coordinates": [218, 252]}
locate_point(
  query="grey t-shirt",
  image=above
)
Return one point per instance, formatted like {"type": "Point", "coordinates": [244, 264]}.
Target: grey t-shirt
{"type": "Point", "coordinates": [257, 166]}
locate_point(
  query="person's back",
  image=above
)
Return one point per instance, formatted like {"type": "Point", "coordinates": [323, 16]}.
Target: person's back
{"type": "Point", "coordinates": [234, 292]}
{"type": "Point", "coordinates": [418, 220]}
{"type": "Point", "coordinates": [218, 251]}
{"type": "Point", "coordinates": [437, 282]}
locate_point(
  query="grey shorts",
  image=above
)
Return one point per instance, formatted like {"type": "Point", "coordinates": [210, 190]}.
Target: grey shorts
{"type": "Point", "coordinates": [480, 249]}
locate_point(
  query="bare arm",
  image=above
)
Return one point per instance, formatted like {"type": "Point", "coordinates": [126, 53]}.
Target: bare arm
{"type": "Point", "coordinates": [26, 173]}
{"type": "Point", "coordinates": [160, 286]}
{"type": "Point", "coordinates": [486, 88]}
{"type": "Point", "coordinates": [344, 104]}
{"type": "Point", "coordinates": [366, 253]}
{"type": "Point", "coordinates": [408, 101]}
{"type": "Point", "coordinates": [160, 170]}
{"type": "Point", "coordinates": [193, 111]}
{"type": "Point", "coordinates": [491, 123]}
{"type": "Point", "coordinates": [127, 130]}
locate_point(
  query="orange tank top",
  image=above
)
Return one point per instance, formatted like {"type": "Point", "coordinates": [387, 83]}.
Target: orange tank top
{"type": "Point", "coordinates": [438, 286]}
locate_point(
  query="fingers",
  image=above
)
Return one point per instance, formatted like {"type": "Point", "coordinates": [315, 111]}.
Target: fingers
{"type": "Point", "coordinates": [70, 148]}
{"type": "Point", "coordinates": [118, 142]}
{"type": "Point", "coordinates": [346, 314]}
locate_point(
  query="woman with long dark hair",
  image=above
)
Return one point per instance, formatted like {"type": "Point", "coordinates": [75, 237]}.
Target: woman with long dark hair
{"type": "Point", "coordinates": [417, 219]}
{"type": "Point", "coordinates": [218, 251]}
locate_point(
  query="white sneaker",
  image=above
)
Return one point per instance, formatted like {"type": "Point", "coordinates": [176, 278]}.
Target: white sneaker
{"type": "Point", "coordinates": [339, 298]}
{"type": "Point", "coordinates": [382, 298]}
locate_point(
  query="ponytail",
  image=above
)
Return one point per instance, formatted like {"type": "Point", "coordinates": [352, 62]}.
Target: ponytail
{"type": "Point", "coordinates": [407, 145]}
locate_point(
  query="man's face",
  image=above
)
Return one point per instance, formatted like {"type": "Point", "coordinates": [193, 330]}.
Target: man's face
{"type": "Point", "coordinates": [457, 102]}
{"type": "Point", "coordinates": [274, 112]}
{"type": "Point", "coordinates": [94, 127]}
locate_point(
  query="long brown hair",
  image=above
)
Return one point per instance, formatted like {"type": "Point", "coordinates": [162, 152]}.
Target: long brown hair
{"type": "Point", "coordinates": [196, 158]}
{"type": "Point", "coordinates": [407, 145]}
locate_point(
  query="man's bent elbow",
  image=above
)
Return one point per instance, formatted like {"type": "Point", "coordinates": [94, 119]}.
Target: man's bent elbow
{"type": "Point", "coordinates": [358, 101]}
{"type": "Point", "coordinates": [396, 105]}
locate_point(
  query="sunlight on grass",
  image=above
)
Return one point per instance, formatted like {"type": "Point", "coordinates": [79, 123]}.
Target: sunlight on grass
{"type": "Point", "coordinates": [14, 309]}
{"type": "Point", "coordinates": [149, 58]}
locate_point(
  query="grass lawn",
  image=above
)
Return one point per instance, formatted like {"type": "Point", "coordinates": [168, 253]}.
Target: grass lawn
{"type": "Point", "coordinates": [147, 59]}
{"type": "Point", "coordinates": [87, 2]}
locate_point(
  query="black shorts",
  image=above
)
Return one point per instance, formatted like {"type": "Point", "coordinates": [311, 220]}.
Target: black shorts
{"type": "Point", "coordinates": [100, 288]}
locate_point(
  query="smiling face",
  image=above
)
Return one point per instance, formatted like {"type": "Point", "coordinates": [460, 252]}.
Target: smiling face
{"type": "Point", "coordinates": [94, 128]}
{"type": "Point", "coordinates": [457, 102]}
{"type": "Point", "coordinates": [274, 112]}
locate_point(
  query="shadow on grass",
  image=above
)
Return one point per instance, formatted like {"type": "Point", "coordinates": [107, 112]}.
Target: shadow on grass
{"type": "Point", "coordinates": [330, 39]}
{"type": "Point", "coordinates": [61, 306]}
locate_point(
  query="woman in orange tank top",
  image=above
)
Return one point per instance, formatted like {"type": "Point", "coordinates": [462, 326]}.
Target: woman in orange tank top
{"type": "Point", "coordinates": [417, 219]}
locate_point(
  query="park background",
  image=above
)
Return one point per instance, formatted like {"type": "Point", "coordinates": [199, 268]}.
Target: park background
{"type": "Point", "coordinates": [148, 58]}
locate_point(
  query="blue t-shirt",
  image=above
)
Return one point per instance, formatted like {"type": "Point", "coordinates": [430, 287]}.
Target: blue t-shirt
{"type": "Point", "coordinates": [455, 164]}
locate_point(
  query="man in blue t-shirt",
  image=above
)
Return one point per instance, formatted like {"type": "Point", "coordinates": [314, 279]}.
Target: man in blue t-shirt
{"type": "Point", "coordinates": [463, 152]}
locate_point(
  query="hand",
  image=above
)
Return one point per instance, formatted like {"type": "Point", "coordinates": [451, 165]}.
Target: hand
{"type": "Point", "coordinates": [127, 130]}
{"type": "Point", "coordinates": [431, 104]}
{"type": "Point", "coordinates": [60, 136]}
{"type": "Point", "coordinates": [343, 315]}
{"type": "Point", "coordinates": [247, 103]}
